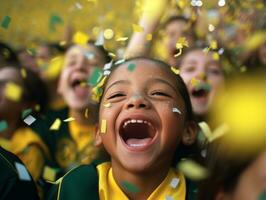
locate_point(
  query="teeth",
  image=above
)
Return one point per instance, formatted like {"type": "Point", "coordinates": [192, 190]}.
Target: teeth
{"type": "Point", "coordinates": [137, 145]}
{"type": "Point", "coordinates": [136, 121]}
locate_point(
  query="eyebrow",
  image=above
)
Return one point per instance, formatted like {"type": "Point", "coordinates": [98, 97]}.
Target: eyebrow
{"type": "Point", "coordinates": [162, 81]}
{"type": "Point", "coordinates": [117, 82]}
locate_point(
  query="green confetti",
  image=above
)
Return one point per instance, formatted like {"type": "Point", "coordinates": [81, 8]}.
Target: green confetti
{"type": "Point", "coordinates": [26, 112]}
{"type": "Point", "coordinates": [31, 51]}
{"type": "Point", "coordinates": [5, 22]}
{"type": "Point", "coordinates": [204, 86]}
{"type": "Point", "coordinates": [262, 196]}
{"type": "Point", "coordinates": [54, 20]}
{"type": "Point", "coordinates": [95, 77]}
{"type": "Point", "coordinates": [3, 125]}
{"type": "Point", "coordinates": [130, 187]}
{"type": "Point", "coordinates": [131, 67]}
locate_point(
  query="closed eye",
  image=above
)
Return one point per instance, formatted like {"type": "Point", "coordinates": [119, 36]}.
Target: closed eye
{"type": "Point", "coordinates": [157, 93]}
{"type": "Point", "coordinates": [116, 96]}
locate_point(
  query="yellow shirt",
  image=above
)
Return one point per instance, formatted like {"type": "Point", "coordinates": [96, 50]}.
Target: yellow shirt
{"type": "Point", "coordinates": [173, 186]}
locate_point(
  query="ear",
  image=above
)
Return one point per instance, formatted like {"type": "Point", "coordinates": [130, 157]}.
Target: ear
{"type": "Point", "coordinates": [97, 136]}
{"type": "Point", "coordinates": [190, 133]}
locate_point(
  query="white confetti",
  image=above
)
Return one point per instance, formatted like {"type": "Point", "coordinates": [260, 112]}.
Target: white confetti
{"type": "Point", "coordinates": [174, 182]}
{"type": "Point", "coordinates": [22, 172]}
{"type": "Point", "coordinates": [176, 110]}
{"type": "Point", "coordinates": [169, 198]}
{"type": "Point", "coordinates": [29, 120]}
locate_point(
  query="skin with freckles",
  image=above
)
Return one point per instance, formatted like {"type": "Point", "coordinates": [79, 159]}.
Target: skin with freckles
{"type": "Point", "coordinates": [142, 130]}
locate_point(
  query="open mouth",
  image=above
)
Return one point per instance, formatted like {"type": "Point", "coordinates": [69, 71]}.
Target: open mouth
{"type": "Point", "coordinates": [201, 90]}
{"type": "Point", "coordinates": [137, 133]}
{"type": "Point", "coordinates": [78, 83]}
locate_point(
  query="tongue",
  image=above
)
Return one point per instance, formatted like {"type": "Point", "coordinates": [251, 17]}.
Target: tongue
{"type": "Point", "coordinates": [138, 142]}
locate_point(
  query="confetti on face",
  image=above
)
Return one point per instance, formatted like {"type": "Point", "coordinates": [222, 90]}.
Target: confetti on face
{"type": "Point", "coordinates": [137, 28]}
{"type": "Point", "coordinates": [103, 126]}
{"type": "Point", "coordinates": [174, 182]}
{"type": "Point", "coordinates": [95, 77]}
{"type": "Point", "coordinates": [49, 173]}
{"type": "Point", "coordinates": [175, 70]}
{"type": "Point", "coordinates": [3, 125]}
{"type": "Point", "coordinates": [22, 172]}
{"type": "Point", "coordinates": [130, 187]}
{"type": "Point", "coordinates": [89, 55]}
{"type": "Point", "coordinates": [107, 105]}
{"type": "Point", "coordinates": [29, 120]}
{"type": "Point", "coordinates": [13, 91]}
{"type": "Point", "coordinates": [131, 67]}
{"type": "Point", "coordinates": [176, 110]}
{"type": "Point", "coordinates": [87, 113]}
{"type": "Point", "coordinates": [56, 125]}
{"type": "Point", "coordinates": [6, 22]}
{"type": "Point", "coordinates": [26, 112]}
{"type": "Point", "coordinates": [192, 170]}
{"type": "Point", "coordinates": [69, 119]}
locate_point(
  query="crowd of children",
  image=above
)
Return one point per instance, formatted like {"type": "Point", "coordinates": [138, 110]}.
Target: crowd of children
{"type": "Point", "coordinates": [163, 121]}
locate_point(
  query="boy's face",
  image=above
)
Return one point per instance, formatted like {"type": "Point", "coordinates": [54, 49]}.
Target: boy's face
{"type": "Point", "coordinates": [78, 66]}
{"type": "Point", "coordinates": [199, 68]}
{"type": "Point", "coordinates": [142, 130]}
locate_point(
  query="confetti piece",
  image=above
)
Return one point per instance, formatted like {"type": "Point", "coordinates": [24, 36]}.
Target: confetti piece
{"type": "Point", "coordinates": [195, 82]}
{"type": "Point", "coordinates": [3, 125]}
{"type": "Point", "coordinates": [78, 6]}
{"type": "Point", "coordinates": [103, 126]}
{"type": "Point", "coordinates": [130, 187]}
{"type": "Point", "coordinates": [122, 39]}
{"type": "Point", "coordinates": [49, 173]}
{"type": "Point", "coordinates": [107, 105]}
{"type": "Point", "coordinates": [137, 28]}
{"type": "Point", "coordinates": [22, 172]}
{"type": "Point", "coordinates": [203, 86]}
{"type": "Point", "coordinates": [89, 55]}
{"type": "Point", "coordinates": [37, 107]}
{"type": "Point", "coordinates": [23, 73]}
{"type": "Point", "coordinates": [62, 43]}
{"type": "Point", "coordinates": [192, 170]}
{"type": "Point", "coordinates": [108, 65]}
{"type": "Point", "coordinates": [6, 22]}
{"type": "Point", "coordinates": [176, 110]}
{"type": "Point", "coordinates": [80, 38]}
{"type": "Point", "coordinates": [174, 182]}
{"type": "Point", "coordinates": [87, 113]}
{"type": "Point", "coordinates": [56, 125]}
{"type": "Point", "coordinates": [215, 56]}
{"type": "Point", "coordinates": [69, 119]}
{"type": "Point", "coordinates": [108, 34]}
{"type": "Point", "coordinates": [26, 112]}
{"type": "Point", "coordinates": [169, 198]}
{"type": "Point", "coordinates": [112, 54]}
{"type": "Point", "coordinates": [95, 77]}
{"type": "Point", "coordinates": [205, 129]}
{"type": "Point", "coordinates": [54, 20]}
{"type": "Point", "coordinates": [255, 40]}
{"type": "Point", "coordinates": [29, 120]}
{"type": "Point", "coordinates": [213, 44]}
{"type": "Point", "coordinates": [211, 28]}
{"type": "Point", "coordinates": [179, 53]}
{"type": "Point", "coordinates": [106, 72]}
{"type": "Point", "coordinates": [32, 51]}
{"type": "Point", "coordinates": [131, 67]}
{"type": "Point", "coordinates": [175, 70]}
{"type": "Point", "coordinates": [181, 43]}
{"type": "Point", "coordinates": [100, 39]}
{"type": "Point", "coordinates": [13, 91]}
{"type": "Point", "coordinates": [119, 61]}
{"type": "Point", "coordinates": [217, 133]}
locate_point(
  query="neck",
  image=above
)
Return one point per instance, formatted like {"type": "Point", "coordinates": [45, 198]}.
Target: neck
{"type": "Point", "coordinates": [146, 181]}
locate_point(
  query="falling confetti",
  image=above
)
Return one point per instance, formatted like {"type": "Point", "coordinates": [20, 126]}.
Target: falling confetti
{"type": "Point", "coordinates": [23, 73]}
{"type": "Point", "coordinates": [122, 39]}
{"type": "Point", "coordinates": [26, 112]}
{"type": "Point", "coordinates": [49, 173]}
{"type": "Point", "coordinates": [3, 125]}
{"type": "Point", "coordinates": [175, 70]}
{"type": "Point", "coordinates": [192, 170]}
{"type": "Point", "coordinates": [6, 22]}
{"type": "Point", "coordinates": [29, 120]}
{"type": "Point", "coordinates": [69, 119]}
{"type": "Point", "coordinates": [174, 182]}
{"type": "Point", "coordinates": [22, 172]}
{"type": "Point", "coordinates": [13, 91]}
{"type": "Point", "coordinates": [80, 38]}
{"type": "Point", "coordinates": [56, 125]}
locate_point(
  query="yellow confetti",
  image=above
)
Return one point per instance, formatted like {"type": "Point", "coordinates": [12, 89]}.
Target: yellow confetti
{"type": "Point", "coordinates": [103, 126]}
{"type": "Point", "coordinates": [107, 105]}
{"type": "Point", "coordinates": [112, 54]}
{"type": "Point", "coordinates": [56, 125]}
{"type": "Point", "coordinates": [137, 28]}
{"type": "Point", "coordinates": [217, 133]}
{"type": "Point", "coordinates": [255, 40]}
{"type": "Point", "coordinates": [213, 44]}
{"type": "Point", "coordinates": [62, 43]}
{"type": "Point", "coordinates": [175, 70]}
{"type": "Point", "coordinates": [181, 42]}
{"type": "Point", "coordinates": [206, 130]}
{"type": "Point", "coordinates": [23, 73]}
{"type": "Point", "coordinates": [215, 56]}
{"type": "Point", "coordinates": [179, 53]}
{"type": "Point", "coordinates": [108, 34]}
{"type": "Point", "coordinates": [149, 37]}
{"type": "Point", "coordinates": [49, 173]}
{"type": "Point", "coordinates": [121, 39]}
{"type": "Point", "coordinates": [80, 38]}
{"type": "Point", "coordinates": [37, 107]}
{"type": "Point", "coordinates": [13, 91]}
{"type": "Point", "coordinates": [192, 170]}
{"type": "Point", "coordinates": [69, 119]}
{"type": "Point", "coordinates": [87, 113]}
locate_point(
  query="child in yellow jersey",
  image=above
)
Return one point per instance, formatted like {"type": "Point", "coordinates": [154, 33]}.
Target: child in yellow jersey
{"type": "Point", "coordinates": [144, 116]}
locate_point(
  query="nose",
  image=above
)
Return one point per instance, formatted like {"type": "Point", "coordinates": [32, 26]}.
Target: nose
{"type": "Point", "coordinates": [137, 102]}
{"type": "Point", "coordinates": [201, 76]}
{"type": "Point", "coordinates": [82, 63]}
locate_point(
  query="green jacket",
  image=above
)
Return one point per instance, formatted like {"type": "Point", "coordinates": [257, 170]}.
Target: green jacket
{"type": "Point", "coordinates": [15, 180]}
{"type": "Point", "coordinates": [82, 184]}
